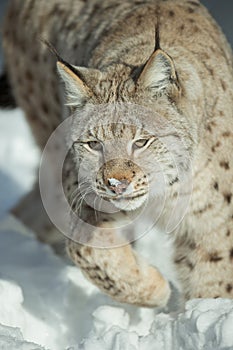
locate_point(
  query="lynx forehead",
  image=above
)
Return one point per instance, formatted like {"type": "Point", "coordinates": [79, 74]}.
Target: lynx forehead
{"type": "Point", "coordinates": [110, 54]}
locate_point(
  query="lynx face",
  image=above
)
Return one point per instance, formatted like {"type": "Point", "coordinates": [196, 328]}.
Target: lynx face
{"type": "Point", "coordinates": [114, 166]}
{"type": "Point", "coordinates": [122, 151]}
{"type": "Point", "coordinates": [124, 163]}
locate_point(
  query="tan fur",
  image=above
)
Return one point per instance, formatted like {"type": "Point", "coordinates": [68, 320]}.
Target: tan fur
{"type": "Point", "coordinates": [115, 40]}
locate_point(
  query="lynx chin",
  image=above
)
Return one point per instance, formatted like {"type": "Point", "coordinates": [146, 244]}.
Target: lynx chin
{"type": "Point", "coordinates": [159, 73]}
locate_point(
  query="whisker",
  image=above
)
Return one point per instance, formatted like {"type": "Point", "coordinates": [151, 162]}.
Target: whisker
{"type": "Point", "coordinates": [95, 211]}
{"type": "Point", "coordinates": [75, 198]}
{"type": "Point", "coordinates": [79, 208]}
{"type": "Point", "coordinates": [77, 189]}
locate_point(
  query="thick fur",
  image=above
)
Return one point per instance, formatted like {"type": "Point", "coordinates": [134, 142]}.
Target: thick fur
{"type": "Point", "coordinates": [187, 80]}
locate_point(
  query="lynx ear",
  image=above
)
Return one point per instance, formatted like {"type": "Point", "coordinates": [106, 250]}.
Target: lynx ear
{"type": "Point", "coordinates": [159, 74]}
{"type": "Point", "coordinates": [76, 79]}
{"type": "Point", "coordinates": [76, 86]}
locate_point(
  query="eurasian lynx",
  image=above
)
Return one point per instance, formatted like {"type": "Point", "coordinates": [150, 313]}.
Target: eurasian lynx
{"type": "Point", "coordinates": [159, 91]}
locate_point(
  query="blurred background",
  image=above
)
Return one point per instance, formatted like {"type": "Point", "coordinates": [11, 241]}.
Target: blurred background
{"type": "Point", "coordinates": [221, 10]}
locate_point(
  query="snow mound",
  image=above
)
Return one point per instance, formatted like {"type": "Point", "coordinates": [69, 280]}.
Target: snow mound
{"type": "Point", "coordinates": [205, 324]}
{"type": "Point", "coordinates": [12, 339]}
{"type": "Point", "coordinates": [45, 301]}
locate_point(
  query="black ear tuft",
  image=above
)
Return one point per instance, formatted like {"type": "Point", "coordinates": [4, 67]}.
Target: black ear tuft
{"type": "Point", "coordinates": [73, 77]}
{"type": "Point", "coordinates": [157, 35]}
{"type": "Point", "coordinates": [58, 56]}
{"type": "Point", "coordinates": [51, 48]}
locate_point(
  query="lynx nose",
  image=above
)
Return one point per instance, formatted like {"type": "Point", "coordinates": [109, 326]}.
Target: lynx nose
{"type": "Point", "coordinates": [118, 186]}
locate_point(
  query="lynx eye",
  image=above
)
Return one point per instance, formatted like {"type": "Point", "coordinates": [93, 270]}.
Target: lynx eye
{"type": "Point", "coordinates": [95, 145]}
{"type": "Point", "coordinates": [140, 143]}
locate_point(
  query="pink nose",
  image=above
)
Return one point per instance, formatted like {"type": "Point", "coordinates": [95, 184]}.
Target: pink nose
{"type": "Point", "coordinates": [118, 186]}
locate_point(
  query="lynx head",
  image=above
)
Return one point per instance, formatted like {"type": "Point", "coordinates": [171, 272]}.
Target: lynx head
{"type": "Point", "coordinates": [126, 128]}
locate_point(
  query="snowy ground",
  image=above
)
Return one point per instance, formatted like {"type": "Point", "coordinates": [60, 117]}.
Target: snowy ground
{"type": "Point", "coordinates": [46, 301]}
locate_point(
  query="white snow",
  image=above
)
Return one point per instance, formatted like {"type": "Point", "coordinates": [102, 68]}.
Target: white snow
{"type": "Point", "coordinates": [45, 300]}
{"type": "Point", "coordinates": [16, 161]}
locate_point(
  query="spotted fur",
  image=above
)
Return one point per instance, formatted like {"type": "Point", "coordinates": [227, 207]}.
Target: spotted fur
{"type": "Point", "coordinates": [109, 56]}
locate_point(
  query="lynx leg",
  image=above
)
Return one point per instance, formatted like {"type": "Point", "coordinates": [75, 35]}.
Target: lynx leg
{"type": "Point", "coordinates": [120, 273]}
{"type": "Point", "coordinates": [31, 212]}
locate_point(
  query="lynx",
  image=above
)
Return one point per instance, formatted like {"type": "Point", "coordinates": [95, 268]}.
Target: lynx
{"type": "Point", "coordinates": [160, 74]}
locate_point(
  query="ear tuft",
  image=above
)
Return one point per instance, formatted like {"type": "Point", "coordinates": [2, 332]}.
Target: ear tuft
{"type": "Point", "coordinates": [78, 92]}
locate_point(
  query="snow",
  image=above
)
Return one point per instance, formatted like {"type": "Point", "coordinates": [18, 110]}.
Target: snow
{"type": "Point", "coordinates": [16, 162]}
{"type": "Point", "coordinates": [11, 338]}
{"type": "Point", "coordinates": [45, 300]}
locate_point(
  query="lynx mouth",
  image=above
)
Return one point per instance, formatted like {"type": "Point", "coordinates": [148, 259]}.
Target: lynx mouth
{"type": "Point", "coordinates": [129, 202]}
